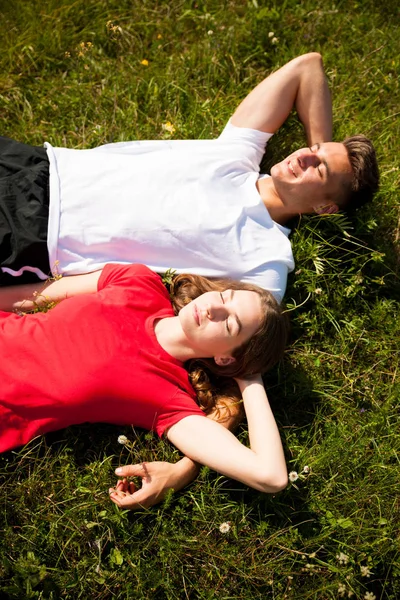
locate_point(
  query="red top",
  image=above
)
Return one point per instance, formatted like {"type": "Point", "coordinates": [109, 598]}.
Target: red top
{"type": "Point", "coordinates": [92, 358]}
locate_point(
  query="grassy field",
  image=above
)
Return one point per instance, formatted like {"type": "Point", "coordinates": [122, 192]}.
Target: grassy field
{"type": "Point", "coordinates": [85, 72]}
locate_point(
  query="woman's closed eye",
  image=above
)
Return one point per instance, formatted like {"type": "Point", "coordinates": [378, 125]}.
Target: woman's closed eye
{"type": "Point", "coordinates": [228, 329]}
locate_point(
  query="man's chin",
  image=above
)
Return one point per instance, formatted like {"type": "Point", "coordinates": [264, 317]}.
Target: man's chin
{"type": "Point", "coordinates": [275, 170]}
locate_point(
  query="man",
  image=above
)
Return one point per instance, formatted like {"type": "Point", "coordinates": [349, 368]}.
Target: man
{"type": "Point", "coordinates": [196, 206]}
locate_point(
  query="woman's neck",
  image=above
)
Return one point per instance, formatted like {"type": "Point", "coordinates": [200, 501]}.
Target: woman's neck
{"type": "Point", "coordinates": [171, 338]}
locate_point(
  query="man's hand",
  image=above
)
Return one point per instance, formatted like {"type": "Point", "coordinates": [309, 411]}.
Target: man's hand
{"type": "Point", "coordinates": [157, 478]}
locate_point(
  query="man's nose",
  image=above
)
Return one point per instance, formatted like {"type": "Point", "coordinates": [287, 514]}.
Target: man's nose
{"type": "Point", "coordinates": [306, 159]}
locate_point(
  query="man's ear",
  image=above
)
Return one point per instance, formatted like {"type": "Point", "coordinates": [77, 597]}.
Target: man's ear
{"type": "Point", "coordinates": [326, 209]}
{"type": "Point", "coordinates": [224, 361]}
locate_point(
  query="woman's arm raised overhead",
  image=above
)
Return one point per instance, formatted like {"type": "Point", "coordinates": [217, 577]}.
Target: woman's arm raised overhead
{"type": "Point", "coordinates": [262, 466]}
{"type": "Point", "coordinates": [27, 297]}
{"type": "Point", "coordinates": [159, 477]}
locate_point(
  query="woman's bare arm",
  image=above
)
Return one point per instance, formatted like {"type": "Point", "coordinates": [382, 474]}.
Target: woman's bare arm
{"type": "Point", "coordinates": [262, 466]}
{"type": "Point", "coordinates": [210, 442]}
{"type": "Point", "coordinates": [160, 476]}
{"type": "Point", "coordinates": [27, 297]}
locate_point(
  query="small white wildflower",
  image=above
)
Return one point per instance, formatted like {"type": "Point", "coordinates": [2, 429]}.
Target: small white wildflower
{"type": "Point", "coordinates": [293, 476]}
{"type": "Point", "coordinates": [341, 589]}
{"type": "Point", "coordinates": [306, 469]}
{"type": "Point", "coordinates": [365, 572]}
{"type": "Point", "coordinates": [271, 34]}
{"type": "Point", "coordinates": [342, 558]}
{"type": "Point", "coordinates": [224, 527]}
{"type": "Point", "coordinates": [318, 291]}
{"type": "Point", "coordinates": [274, 40]}
{"type": "Point", "coordinates": [369, 596]}
{"type": "Point", "coordinates": [122, 439]}
{"type": "Point", "coordinates": [210, 32]}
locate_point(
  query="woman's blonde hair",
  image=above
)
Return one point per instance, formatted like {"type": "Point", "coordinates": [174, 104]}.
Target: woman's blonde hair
{"type": "Point", "coordinates": [213, 383]}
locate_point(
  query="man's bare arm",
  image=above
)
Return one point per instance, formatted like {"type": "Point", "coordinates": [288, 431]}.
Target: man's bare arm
{"type": "Point", "coordinates": [300, 84]}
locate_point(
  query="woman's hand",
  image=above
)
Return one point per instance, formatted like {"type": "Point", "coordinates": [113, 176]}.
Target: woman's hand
{"type": "Point", "coordinates": [157, 479]}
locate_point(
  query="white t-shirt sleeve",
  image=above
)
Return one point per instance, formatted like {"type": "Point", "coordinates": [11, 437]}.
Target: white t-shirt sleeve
{"type": "Point", "coordinates": [272, 277]}
{"type": "Point", "coordinates": [245, 134]}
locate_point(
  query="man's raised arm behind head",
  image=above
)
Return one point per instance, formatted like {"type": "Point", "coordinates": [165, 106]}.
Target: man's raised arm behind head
{"type": "Point", "coordinates": [300, 84]}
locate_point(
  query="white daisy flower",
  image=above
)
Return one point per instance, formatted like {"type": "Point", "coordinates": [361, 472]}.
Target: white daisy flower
{"type": "Point", "coordinates": [224, 527]}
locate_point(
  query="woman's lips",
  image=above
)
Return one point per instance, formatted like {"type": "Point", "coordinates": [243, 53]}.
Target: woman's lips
{"type": "Point", "coordinates": [196, 314]}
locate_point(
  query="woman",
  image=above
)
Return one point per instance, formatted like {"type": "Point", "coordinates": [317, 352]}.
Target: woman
{"type": "Point", "coordinates": [115, 352]}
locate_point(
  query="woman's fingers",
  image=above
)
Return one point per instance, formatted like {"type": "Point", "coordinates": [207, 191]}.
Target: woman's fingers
{"type": "Point", "coordinates": [123, 488]}
{"type": "Point", "coordinates": [138, 470]}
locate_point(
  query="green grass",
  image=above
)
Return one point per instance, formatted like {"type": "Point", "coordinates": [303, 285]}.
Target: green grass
{"type": "Point", "coordinates": [336, 397]}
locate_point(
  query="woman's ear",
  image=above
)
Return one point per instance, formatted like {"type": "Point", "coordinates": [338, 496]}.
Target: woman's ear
{"type": "Point", "coordinates": [224, 361]}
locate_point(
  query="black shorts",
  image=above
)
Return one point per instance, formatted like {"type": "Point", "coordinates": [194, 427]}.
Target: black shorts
{"type": "Point", "coordinates": [24, 213]}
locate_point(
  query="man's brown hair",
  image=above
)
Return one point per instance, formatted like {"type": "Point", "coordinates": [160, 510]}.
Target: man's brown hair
{"type": "Point", "coordinates": [364, 166]}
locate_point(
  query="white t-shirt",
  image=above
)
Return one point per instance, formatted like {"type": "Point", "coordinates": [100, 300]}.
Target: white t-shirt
{"type": "Point", "coordinates": [187, 205]}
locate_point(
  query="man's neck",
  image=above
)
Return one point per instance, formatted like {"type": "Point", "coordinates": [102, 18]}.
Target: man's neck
{"type": "Point", "coordinates": [272, 201]}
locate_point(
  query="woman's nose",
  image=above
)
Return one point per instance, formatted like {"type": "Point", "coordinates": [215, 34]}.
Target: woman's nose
{"type": "Point", "coordinates": [215, 312]}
